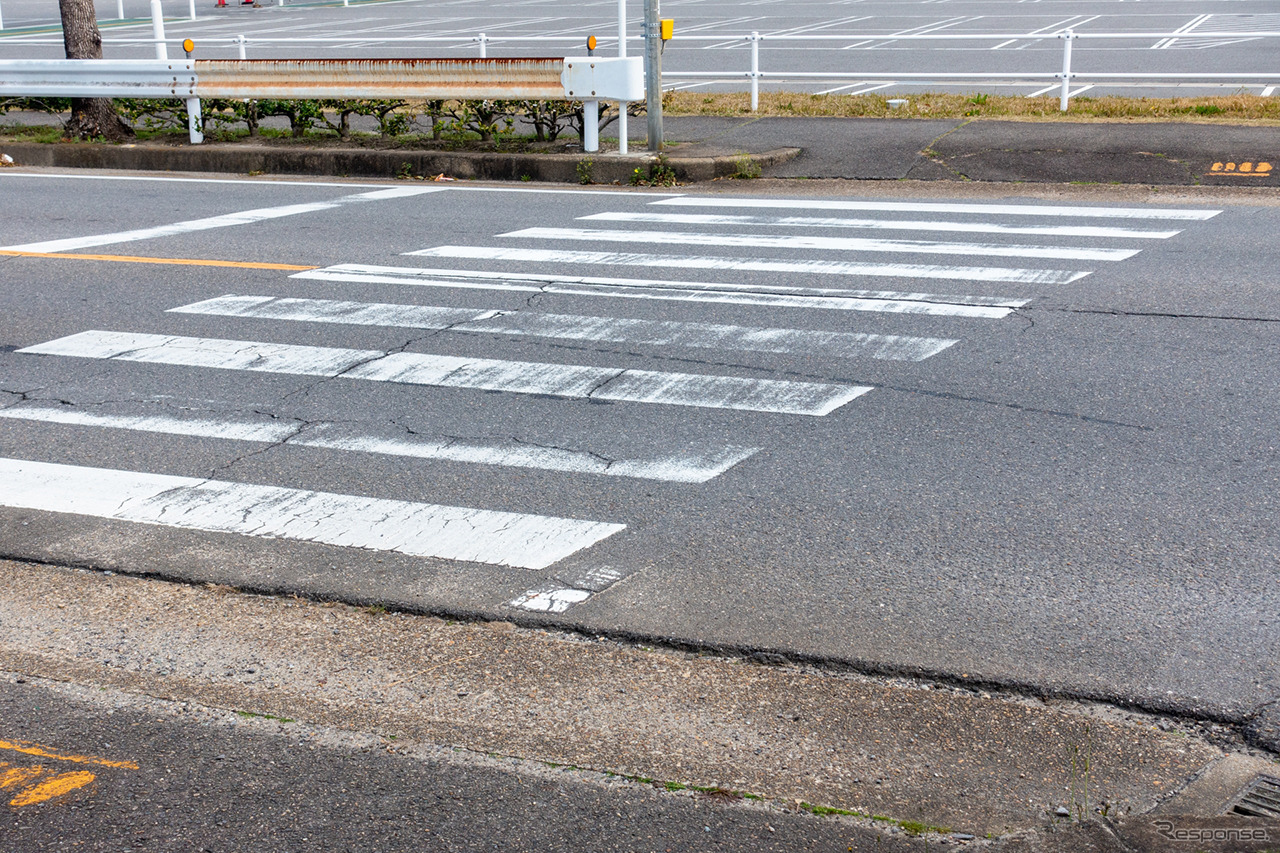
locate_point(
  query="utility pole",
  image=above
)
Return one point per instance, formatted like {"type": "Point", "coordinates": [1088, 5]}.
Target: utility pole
{"type": "Point", "coordinates": [653, 72]}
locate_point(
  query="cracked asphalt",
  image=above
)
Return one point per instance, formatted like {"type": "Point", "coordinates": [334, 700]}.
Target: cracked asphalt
{"type": "Point", "coordinates": [1078, 499]}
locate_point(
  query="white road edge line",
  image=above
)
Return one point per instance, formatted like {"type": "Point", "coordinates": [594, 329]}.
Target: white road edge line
{"type": "Point", "coordinates": [246, 217]}
{"type": "Point", "coordinates": [271, 512]}
{"type": "Point", "coordinates": [688, 467]}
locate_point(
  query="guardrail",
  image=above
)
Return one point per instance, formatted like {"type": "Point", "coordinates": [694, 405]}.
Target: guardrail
{"type": "Point", "coordinates": [588, 78]}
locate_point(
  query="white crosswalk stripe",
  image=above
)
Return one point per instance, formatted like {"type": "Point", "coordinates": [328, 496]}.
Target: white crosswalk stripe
{"type": "Point", "coordinates": [777, 296]}
{"type": "Point", "coordinates": [835, 244]}
{"type": "Point", "coordinates": [416, 529]}
{"type": "Point", "coordinates": [717, 262]}
{"type": "Point", "coordinates": [963, 208]}
{"type": "Point", "coordinates": [577, 328]}
{"type": "Point", "coordinates": [685, 467]}
{"type": "Point", "coordinates": [930, 225]}
{"type": "Point", "coordinates": [518, 377]}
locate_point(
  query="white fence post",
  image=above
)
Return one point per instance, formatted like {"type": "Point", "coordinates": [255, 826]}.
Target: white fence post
{"type": "Point", "coordinates": [484, 45]}
{"type": "Point", "coordinates": [1, 19]}
{"type": "Point", "coordinates": [754, 38]}
{"type": "Point", "coordinates": [240, 40]}
{"type": "Point", "coordinates": [622, 51]}
{"type": "Point", "coordinates": [120, 10]}
{"type": "Point", "coordinates": [191, 8]}
{"type": "Point", "coordinates": [1069, 36]}
{"type": "Point", "coordinates": [591, 126]}
{"type": "Point", "coordinates": [157, 29]}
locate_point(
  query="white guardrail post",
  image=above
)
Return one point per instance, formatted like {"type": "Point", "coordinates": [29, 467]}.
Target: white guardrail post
{"type": "Point", "coordinates": [1068, 36]}
{"type": "Point", "coordinates": [484, 45]}
{"type": "Point", "coordinates": [1, 19]}
{"type": "Point", "coordinates": [120, 10]}
{"type": "Point", "coordinates": [754, 38]}
{"type": "Point", "coordinates": [240, 41]}
{"type": "Point", "coordinates": [157, 29]}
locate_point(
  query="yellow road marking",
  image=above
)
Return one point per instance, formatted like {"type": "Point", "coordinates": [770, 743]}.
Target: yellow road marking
{"type": "Point", "coordinates": [1244, 170]}
{"type": "Point", "coordinates": [48, 752]}
{"type": "Point", "coordinates": [134, 259]}
{"type": "Point", "coordinates": [16, 776]}
{"type": "Point", "coordinates": [55, 786]}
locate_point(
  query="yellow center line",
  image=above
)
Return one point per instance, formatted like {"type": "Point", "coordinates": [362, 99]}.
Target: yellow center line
{"type": "Point", "coordinates": [48, 752]}
{"type": "Point", "coordinates": [134, 259]}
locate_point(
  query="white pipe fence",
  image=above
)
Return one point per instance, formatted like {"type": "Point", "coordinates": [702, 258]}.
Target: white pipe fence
{"type": "Point", "coordinates": [1062, 80]}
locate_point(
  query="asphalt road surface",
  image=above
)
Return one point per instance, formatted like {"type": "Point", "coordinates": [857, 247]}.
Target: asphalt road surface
{"type": "Point", "coordinates": [1031, 442]}
{"type": "Point", "coordinates": [825, 38]}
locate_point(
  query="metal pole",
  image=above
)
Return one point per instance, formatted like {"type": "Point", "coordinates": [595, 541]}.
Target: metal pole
{"type": "Point", "coordinates": [120, 9]}
{"type": "Point", "coordinates": [484, 50]}
{"type": "Point", "coordinates": [191, 8]}
{"type": "Point", "coordinates": [157, 29]}
{"type": "Point", "coordinates": [755, 70]}
{"type": "Point", "coordinates": [653, 73]}
{"type": "Point", "coordinates": [1, 19]}
{"type": "Point", "coordinates": [240, 40]}
{"type": "Point", "coordinates": [1069, 36]}
{"type": "Point", "coordinates": [591, 113]}
{"type": "Point", "coordinates": [622, 51]}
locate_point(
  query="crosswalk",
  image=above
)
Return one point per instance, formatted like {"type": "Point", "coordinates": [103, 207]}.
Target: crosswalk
{"type": "Point", "coordinates": [789, 266]}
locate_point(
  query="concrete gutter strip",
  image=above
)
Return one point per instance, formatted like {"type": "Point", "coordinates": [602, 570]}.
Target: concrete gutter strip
{"type": "Point", "coordinates": [963, 761]}
{"type": "Point", "coordinates": [370, 163]}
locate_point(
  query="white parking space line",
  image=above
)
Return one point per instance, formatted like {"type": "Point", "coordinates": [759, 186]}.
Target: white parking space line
{"type": "Point", "coordinates": [440, 371]}
{"type": "Point", "coordinates": [881, 224]}
{"type": "Point", "coordinates": [710, 262]}
{"type": "Point", "coordinates": [781, 296]}
{"type": "Point", "coordinates": [271, 512]}
{"type": "Point", "coordinates": [577, 327]}
{"type": "Point", "coordinates": [684, 467]}
{"type": "Point", "coordinates": [1167, 213]}
{"type": "Point", "coordinates": [246, 217]}
{"type": "Point", "coordinates": [832, 244]}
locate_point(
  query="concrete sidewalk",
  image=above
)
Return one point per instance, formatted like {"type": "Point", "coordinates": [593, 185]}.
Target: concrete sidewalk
{"type": "Point", "coordinates": [930, 760]}
{"type": "Point", "coordinates": [712, 148]}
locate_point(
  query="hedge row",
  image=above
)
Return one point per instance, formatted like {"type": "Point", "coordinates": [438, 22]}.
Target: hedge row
{"type": "Point", "coordinates": [442, 120]}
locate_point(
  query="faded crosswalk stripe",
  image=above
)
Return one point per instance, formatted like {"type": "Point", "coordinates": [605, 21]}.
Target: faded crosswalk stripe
{"type": "Point", "coordinates": [686, 467]}
{"type": "Point", "coordinates": [416, 529]}
{"type": "Point", "coordinates": [576, 327]}
{"type": "Point", "coordinates": [777, 296]}
{"type": "Point", "coordinates": [520, 377]}
{"type": "Point", "coordinates": [713, 262]}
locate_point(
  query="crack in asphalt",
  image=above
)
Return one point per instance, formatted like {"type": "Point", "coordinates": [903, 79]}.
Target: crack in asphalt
{"type": "Point", "coordinates": [1160, 315]}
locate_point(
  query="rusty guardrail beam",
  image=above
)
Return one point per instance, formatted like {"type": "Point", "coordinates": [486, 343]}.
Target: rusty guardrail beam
{"type": "Point", "coordinates": [425, 79]}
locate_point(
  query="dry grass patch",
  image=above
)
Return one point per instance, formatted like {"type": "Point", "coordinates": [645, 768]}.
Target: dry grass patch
{"type": "Point", "coordinates": [1223, 108]}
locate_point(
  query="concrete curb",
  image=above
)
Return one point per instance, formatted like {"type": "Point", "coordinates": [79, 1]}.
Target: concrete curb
{"type": "Point", "coordinates": [603, 168]}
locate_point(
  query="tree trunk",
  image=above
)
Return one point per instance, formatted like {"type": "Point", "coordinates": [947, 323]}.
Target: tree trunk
{"type": "Point", "coordinates": [89, 116]}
